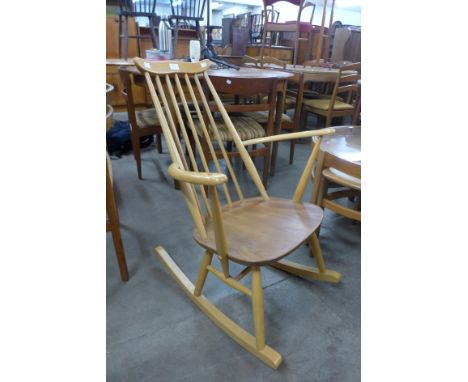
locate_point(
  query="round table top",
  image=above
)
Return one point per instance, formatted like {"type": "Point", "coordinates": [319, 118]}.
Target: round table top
{"type": "Point", "coordinates": [243, 72]}
{"type": "Point", "coordinates": [248, 72]}
{"type": "Point", "coordinates": [344, 144]}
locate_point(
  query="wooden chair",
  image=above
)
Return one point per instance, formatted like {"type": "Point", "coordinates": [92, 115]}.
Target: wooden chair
{"type": "Point", "coordinates": [186, 14]}
{"type": "Point", "coordinates": [244, 117]}
{"type": "Point", "coordinates": [341, 103]}
{"type": "Point", "coordinates": [258, 21]}
{"type": "Point", "coordinates": [346, 175]}
{"type": "Point", "coordinates": [142, 122]}
{"type": "Point", "coordinates": [255, 231]}
{"type": "Point", "coordinates": [292, 99]}
{"type": "Point", "coordinates": [143, 8]}
{"type": "Point", "coordinates": [275, 27]}
{"type": "Point", "coordinates": [113, 222]}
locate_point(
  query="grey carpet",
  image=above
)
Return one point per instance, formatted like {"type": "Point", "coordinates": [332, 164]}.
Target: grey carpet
{"type": "Point", "coordinates": [154, 331]}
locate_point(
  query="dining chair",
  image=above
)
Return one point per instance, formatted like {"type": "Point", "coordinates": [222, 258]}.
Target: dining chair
{"type": "Point", "coordinates": [252, 231]}
{"type": "Point", "coordinates": [258, 21]}
{"type": "Point", "coordinates": [113, 221]}
{"type": "Point", "coordinates": [341, 102]}
{"type": "Point", "coordinates": [186, 14]}
{"type": "Point", "coordinates": [143, 123]}
{"type": "Point", "coordinates": [240, 99]}
{"type": "Point", "coordinates": [293, 91]}
{"type": "Point", "coordinates": [338, 173]}
{"type": "Point", "coordinates": [289, 27]}
{"type": "Point", "coordinates": [143, 8]}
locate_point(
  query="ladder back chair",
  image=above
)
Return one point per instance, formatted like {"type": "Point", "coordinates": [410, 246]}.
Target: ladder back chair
{"type": "Point", "coordinates": [255, 231]}
{"type": "Point", "coordinates": [342, 101]}
{"type": "Point", "coordinates": [186, 14]}
{"type": "Point", "coordinates": [271, 27]}
{"type": "Point", "coordinates": [143, 8]}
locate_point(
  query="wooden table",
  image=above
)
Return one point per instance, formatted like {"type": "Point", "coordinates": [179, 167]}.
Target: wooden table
{"type": "Point", "coordinates": [345, 144]}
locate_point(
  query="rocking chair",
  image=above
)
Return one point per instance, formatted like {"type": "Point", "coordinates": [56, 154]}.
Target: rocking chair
{"type": "Point", "coordinates": [254, 231]}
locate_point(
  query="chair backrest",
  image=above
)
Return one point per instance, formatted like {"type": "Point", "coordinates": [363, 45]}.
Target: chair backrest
{"type": "Point", "coordinates": [346, 83]}
{"type": "Point", "coordinates": [170, 77]}
{"type": "Point", "coordinates": [188, 8]}
{"type": "Point", "coordinates": [270, 27]}
{"type": "Point", "coordinates": [140, 7]}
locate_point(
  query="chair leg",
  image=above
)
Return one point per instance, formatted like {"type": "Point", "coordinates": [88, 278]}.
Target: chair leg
{"type": "Point", "coordinates": [250, 343]}
{"type": "Point", "coordinates": [202, 273]}
{"type": "Point", "coordinates": [257, 308]}
{"type": "Point", "coordinates": [126, 39]}
{"type": "Point", "coordinates": [120, 36]}
{"type": "Point", "coordinates": [114, 226]}
{"type": "Point", "coordinates": [119, 251]}
{"type": "Point", "coordinates": [315, 249]}
{"type": "Point", "coordinates": [174, 39]}
{"type": "Point", "coordinates": [292, 147]}
{"type": "Point", "coordinates": [137, 153]}
{"type": "Point", "coordinates": [153, 33]}
{"type": "Point", "coordinates": [159, 143]}
{"type": "Point", "coordinates": [266, 165]}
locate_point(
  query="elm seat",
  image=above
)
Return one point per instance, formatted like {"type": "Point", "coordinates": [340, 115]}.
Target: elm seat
{"type": "Point", "coordinates": [260, 231]}
{"type": "Point", "coordinates": [147, 118]}
{"type": "Point", "coordinates": [246, 127]}
{"type": "Point", "coordinates": [324, 104]}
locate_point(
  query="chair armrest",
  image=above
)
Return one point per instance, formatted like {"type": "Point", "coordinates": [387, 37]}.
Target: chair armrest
{"type": "Point", "coordinates": [289, 136]}
{"type": "Point", "coordinates": [203, 178]}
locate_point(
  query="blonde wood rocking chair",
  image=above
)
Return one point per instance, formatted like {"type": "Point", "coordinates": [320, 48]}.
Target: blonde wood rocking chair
{"type": "Point", "coordinates": [254, 231]}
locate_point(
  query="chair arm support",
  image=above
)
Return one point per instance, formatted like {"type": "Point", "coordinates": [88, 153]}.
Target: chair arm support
{"type": "Point", "coordinates": [289, 136]}
{"type": "Point", "coordinates": [203, 178]}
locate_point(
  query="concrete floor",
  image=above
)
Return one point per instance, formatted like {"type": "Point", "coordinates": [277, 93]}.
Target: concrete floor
{"type": "Point", "coordinates": [154, 331]}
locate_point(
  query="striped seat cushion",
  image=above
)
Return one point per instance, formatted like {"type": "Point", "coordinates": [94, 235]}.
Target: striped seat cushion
{"type": "Point", "coordinates": [147, 118]}
{"type": "Point", "coordinates": [324, 104]}
{"type": "Point", "coordinates": [262, 116]}
{"type": "Point", "coordinates": [246, 127]}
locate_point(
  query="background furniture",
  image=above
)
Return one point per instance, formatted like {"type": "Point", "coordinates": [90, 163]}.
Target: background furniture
{"type": "Point", "coordinates": [117, 98]}
{"type": "Point", "coordinates": [144, 8]}
{"type": "Point", "coordinates": [261, 230]}
{"type": "Point", "coordinates": [113, 223]}
{"type": "Point", "coordinates": [240, 33]}
{"type": "Point", "coordinates": [345, 85]}
{"type": "Point", "coordinates": [294, 28]}
{"type": "Point", "coordinates": [247, 124]}
{"type": "Point", "coordinates": [142, 122]}
{"type": "Point", "coordinates": [339, 164]}
{"type": "Point", "coordinates": [186, 15]}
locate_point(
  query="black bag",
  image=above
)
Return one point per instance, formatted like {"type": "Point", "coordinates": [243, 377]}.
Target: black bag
{"type": "Point", "coordinates": [119, 139]}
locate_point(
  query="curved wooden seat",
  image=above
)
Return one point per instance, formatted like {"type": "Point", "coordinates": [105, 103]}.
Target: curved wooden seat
{"type": "Point", "coordinates": [261, 231]}
{"type": "Point", "coordinates": [341, 178]}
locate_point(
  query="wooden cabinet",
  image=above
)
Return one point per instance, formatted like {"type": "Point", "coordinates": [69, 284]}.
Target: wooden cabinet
{"type": "Point", "coordinates": [112, 37]}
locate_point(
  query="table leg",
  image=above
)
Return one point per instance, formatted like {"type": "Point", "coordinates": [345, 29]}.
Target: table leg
{"type": "Point", "coordinates": [277, 127]}
{"type": "Point", "coordinates": [316, 179]}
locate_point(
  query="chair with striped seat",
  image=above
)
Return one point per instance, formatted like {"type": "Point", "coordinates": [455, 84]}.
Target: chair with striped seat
{"type": "Point", "coordinates": [142, 122]}
{"type": "Point", "coordinates": [256, 231]}
{"type": "Point", "coordinates": [246, 127]}
{"type": "Point", "coordinates": [342, 101]}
